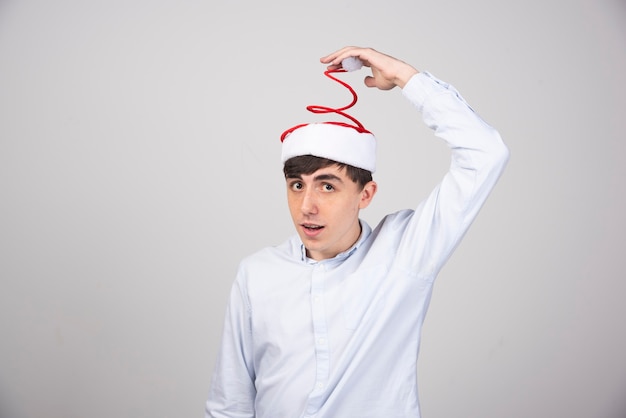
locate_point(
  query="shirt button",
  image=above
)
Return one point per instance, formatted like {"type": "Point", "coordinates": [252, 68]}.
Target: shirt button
{"type": "Point", "coordinates": [322, 340]}
{"type": "Point", "coordinates": [316, 299]}
{"type": "Point", "coordinates": [320, 385]}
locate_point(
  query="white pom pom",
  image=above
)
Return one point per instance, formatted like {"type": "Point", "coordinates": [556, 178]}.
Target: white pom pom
{"type": "Point", "coordinates": [351, 64]}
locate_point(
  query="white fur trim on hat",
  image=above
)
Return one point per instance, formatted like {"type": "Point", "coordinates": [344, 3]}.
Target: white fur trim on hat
{"type": "Point", "coordinates": [335, 142]}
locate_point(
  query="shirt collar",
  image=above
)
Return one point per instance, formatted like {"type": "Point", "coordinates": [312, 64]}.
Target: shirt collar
{"type": "Point", "coordinates": [366, 230]}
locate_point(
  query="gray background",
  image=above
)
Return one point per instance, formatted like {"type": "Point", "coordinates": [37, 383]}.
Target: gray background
{"type": "Point", "coordinates": [139, 161]}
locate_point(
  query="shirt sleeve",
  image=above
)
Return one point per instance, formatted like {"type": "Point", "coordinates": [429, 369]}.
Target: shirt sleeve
{"type": "Point", "coordinates": [233, 393]}
{"type": "Point", "coordinates": [478, 158]}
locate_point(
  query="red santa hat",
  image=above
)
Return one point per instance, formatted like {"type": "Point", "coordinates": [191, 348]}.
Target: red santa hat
{"type": "Point", "coordinates": [348, 143]}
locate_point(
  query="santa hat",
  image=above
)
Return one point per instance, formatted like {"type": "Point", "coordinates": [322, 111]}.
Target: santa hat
{"type": "Point", "coordinates": [343, 142]}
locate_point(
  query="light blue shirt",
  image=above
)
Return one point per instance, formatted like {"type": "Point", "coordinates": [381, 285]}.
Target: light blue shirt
{"type": "Point", "coordinates": [339, 338]}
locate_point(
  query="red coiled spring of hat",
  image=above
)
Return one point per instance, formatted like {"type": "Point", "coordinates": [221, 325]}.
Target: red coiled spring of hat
{"type": "Point", "coordinates": [349, 64]}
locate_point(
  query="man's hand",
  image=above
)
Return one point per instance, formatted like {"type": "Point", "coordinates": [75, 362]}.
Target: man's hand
{"type": "Point", "coordinates": [387, 71]}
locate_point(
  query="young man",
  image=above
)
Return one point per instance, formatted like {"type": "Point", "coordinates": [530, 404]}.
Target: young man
{"type": "Point", "coordinates": [328, 323]}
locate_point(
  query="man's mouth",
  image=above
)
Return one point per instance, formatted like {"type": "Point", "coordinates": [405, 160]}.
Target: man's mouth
{"type": "Point", "coordinates": [312, 229]}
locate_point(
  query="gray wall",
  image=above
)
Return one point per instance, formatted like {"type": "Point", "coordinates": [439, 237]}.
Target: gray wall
{"type": "Point", "coordinates": [139, 161]}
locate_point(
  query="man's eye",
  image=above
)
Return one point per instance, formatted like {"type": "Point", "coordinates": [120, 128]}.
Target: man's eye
{"type": "Point", "coordinates": [328, 188]}
{"type": "Point", "coordinates": [296, 185]}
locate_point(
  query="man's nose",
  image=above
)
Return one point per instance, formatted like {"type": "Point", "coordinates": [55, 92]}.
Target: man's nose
{"type": "Point", "coordinates": [309, 202]}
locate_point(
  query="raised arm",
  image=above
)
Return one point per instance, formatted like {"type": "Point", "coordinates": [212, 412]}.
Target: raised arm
{"type": "Point", "coordinates": [478, 157]}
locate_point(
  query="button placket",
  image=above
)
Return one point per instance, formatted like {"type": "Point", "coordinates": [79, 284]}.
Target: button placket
{"type": "Point", "coordinates": [320, 334]}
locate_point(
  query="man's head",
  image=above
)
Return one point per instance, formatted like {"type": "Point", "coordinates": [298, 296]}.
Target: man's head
{"type": "Point", "coordinates": [324, 199]}
{"type": "Point", "coordinates": [328, 167]}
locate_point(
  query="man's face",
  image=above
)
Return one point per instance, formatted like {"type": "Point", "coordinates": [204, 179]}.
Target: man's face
{"type": "Point", "coordinates": [325, 208]}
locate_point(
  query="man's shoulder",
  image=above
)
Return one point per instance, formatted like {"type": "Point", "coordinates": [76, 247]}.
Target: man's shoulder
{"type": "Point", "coordinates": [395, 220]}
{"type": "Point", "coordinates": [286, 252]}
{"type": "Point", "coordinates": [270, 266]}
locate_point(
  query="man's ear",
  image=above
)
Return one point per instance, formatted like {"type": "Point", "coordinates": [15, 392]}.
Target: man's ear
{"type": "Point", "coordinates": [367, 194]}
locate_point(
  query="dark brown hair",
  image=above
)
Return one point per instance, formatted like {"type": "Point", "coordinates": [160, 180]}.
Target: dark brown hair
{"type": "Point", "coordinates": [308, 164]}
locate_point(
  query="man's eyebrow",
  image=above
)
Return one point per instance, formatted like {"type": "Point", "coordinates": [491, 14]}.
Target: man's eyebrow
{"type": "Point", "coordinates": [323, 177]}
{"type": "Point", "coordinates": [319, 177]}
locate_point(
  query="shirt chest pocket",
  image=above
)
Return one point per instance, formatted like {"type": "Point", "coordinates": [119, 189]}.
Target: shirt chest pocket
{"type": "Point", "coordinates": [363, 295]}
